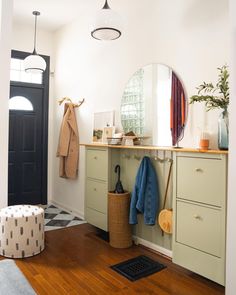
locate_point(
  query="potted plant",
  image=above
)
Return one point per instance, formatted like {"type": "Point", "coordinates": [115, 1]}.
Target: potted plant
{"type": "Point", "coordinates": [217, 97]}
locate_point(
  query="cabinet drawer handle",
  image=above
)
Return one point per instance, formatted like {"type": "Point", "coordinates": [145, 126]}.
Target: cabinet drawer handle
{"type": "Point", "coordinates": [198, 170]}
{"type": "Point", "coordinates": [95, 189]}
{"type": "Point", "coordinates": [196, 216]}
{"type": "Point", "coordinates": [95, 158]}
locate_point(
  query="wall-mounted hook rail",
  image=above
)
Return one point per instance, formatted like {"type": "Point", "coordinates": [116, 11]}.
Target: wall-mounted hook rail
{"type": "Point", "coordinates": [67, 99]}
{"type": "Point", "coordinates": [162, 160]}
{"type": "Point", "coordinates": [126, 156]}
{"type": "Point", "coordinates": [137, 157]}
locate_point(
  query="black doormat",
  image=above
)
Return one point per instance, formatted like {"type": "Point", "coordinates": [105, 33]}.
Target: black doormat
{"type": "Point", "coordinates": [138, 267]}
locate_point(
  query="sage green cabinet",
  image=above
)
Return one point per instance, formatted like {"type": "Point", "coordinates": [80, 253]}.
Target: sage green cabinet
{"type": "Point", "coordinates": [200, 179]}
{"type": "Point", "coordinates": [97, 164]}
{"type": "Point", "coordinates": [199, 203]}
{"type": "Point", "coordinates": [200, 213]}
{"type": "Point", "coordinates": [96, 195]}
{"type": "Point", "coordinates": [97, 183]}
{"type": "Point", "coordinates": [194, 221]}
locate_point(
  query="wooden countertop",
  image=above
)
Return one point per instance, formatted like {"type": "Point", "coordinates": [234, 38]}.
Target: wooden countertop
{"type": "Point", "coordinates": [149, 147]}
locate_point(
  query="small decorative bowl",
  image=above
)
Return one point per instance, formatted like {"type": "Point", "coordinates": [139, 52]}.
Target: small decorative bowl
{"type": "Point", "coordinates": [114, 141]}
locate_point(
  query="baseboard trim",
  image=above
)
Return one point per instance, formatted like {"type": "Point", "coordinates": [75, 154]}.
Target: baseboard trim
{"type": "Point", "coordinates": [152, 246]}
{"type": "Point", "coordinates": [68, 209]}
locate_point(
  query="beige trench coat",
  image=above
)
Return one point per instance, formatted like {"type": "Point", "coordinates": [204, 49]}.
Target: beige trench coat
{"type": "Point", "coordinates": [68, 145]}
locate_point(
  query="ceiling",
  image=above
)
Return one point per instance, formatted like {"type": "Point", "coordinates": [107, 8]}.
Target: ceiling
{"type": "Point", "coordinates": [54, 13]}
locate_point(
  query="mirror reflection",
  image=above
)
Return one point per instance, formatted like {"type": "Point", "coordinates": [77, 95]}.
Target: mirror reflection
{"type": "Point", "coordinates": [153, 106]}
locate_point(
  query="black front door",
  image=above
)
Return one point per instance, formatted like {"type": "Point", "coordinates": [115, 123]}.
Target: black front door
{"type": "Point", "coordinates": [28, 134]}
{"type": "Point", "coordinates": [26, 146]}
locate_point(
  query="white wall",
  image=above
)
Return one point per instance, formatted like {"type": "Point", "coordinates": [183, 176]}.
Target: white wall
{"type": "Point", "coordinates": [23, 35]}
{"type": "Point", "coordinates": [6, 8]}
{"type": "Point", "coordinates": [190, 37]}
{"type": "Point", "coordinates": [22, 39]}
{"type": "Point", "coordinates": [231, 233]}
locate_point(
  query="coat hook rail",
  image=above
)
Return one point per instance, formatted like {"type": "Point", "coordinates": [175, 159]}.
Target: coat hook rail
{"type": "Point", "coordinates": [162, 160]}
{"type": "Point", "coordinates": [137, 157]}
{"type": "Point", "coordinates": [156, 158]}
{"type": "Point", "coordinates": [125, 156]}
{"type": "Point", "coordinates": [76, 105]}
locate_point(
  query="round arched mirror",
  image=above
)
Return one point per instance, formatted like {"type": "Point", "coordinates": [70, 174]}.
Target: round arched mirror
{"type": "Point", "coordinates": [153, 105]}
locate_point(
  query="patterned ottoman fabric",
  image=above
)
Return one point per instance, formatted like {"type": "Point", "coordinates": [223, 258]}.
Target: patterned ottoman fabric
{"type": "Point", "coordinates": [21, 231]}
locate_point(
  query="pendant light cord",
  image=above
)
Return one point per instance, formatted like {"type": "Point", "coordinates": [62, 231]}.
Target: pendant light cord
{"type": "Point", "coordinates": [106, 6]}
{"type": "Point", "coordinates": [35, 13]}
{"type": "Point", "coordinates": [35, 26]}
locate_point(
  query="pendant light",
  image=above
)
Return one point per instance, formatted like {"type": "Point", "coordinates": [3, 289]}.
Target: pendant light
{"type": "Point", "coordinates": [107, 25]}
{"type": "Point", "coordinates": [34, 63]}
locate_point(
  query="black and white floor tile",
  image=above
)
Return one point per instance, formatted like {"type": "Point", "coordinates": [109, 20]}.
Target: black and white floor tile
{"type": "Point", "coordinates": [56, 218]}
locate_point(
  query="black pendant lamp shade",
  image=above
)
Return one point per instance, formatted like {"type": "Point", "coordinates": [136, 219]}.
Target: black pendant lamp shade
{"type": "Point", "coordinates": [34, 63]}
{"type": "Point", "coordinates": [107, 25]}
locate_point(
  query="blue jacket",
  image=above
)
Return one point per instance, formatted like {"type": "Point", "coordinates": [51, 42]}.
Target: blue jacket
{"type": "Point", "coordinates": [145, 195]}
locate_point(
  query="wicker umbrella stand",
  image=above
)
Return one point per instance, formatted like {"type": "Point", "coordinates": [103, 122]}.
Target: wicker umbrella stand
{"type": "Point", "coordinates": [118, 220]}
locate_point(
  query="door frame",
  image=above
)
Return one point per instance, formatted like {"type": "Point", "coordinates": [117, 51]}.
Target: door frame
{"type": "Point", "coordinates": [45, 87]}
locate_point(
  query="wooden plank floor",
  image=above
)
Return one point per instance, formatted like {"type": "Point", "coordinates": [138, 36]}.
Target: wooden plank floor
{"type": "Point", "coordinates": [76, 261]}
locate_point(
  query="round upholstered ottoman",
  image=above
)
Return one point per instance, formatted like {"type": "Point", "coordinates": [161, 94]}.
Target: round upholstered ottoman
{"type": "Point", "coordinates": [21, 231]}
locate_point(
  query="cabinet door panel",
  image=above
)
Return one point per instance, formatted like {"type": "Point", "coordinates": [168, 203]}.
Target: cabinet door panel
{"type": "Point", "coordinates": [199, 227]}
{"type": "Point", "coordinates": [209, 266]}
{"type": "Point", "coordinates": [96, 195]}
{"type": "Point", "coordinates": [96, 218]}
{"type": "Point", "coordinates": [97, 164]}
{"type": "Point", "coordinates": [201, 180]}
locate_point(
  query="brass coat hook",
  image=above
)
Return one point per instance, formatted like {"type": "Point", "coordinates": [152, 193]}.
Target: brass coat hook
{"type": "Point", "coordinates": [75, 105]}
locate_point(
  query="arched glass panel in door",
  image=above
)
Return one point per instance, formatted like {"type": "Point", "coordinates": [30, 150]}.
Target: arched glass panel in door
{"type": "Point", "coordinates": [20, 103]}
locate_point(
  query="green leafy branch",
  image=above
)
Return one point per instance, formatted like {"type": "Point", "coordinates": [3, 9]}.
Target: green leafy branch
{"type": "Point", "coordinates": [214, 96]}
